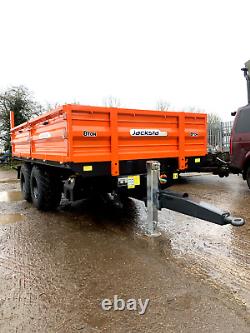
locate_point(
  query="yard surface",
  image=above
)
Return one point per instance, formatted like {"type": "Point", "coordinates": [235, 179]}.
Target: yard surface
{"type": "Point", "coordinates": [56, 268]}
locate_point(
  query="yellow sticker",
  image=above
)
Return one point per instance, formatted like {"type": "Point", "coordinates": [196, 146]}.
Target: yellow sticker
{"type": "Point", "coordinates": [137, 180]}
{"type": "Point", "coordinates": [87, 168]}
{"type": "Point", "coordinates": [133, 181]}
{"type": "Point", "coordinates": [197, 160]}
{"type": "Point", "coordinates": [175, 175]}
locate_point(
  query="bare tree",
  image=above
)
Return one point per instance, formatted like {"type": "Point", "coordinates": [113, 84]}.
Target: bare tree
{"type": "Point", "coordinates": [162, 105]}
{"type": "Point", "coordinates": [213, 119]}
{"type": "Point", "coordinates": [194, 109]}
{"type": "Point", "coordinates": [112, 102]}
{"type": "Point", "coordinates": [51, 106]}
{"type": "Point", "coordinates": [214, 132]}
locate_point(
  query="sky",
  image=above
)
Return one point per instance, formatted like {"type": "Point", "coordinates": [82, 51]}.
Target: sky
{"type": "Point", "coordinates": [188, 53]}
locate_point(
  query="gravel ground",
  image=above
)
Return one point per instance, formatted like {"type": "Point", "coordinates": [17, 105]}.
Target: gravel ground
{"type": "Point", "coordinates": [56, 268]}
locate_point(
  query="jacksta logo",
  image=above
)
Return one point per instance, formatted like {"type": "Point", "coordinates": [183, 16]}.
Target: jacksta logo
{"type": "Point", "coordinates": [147, 132]}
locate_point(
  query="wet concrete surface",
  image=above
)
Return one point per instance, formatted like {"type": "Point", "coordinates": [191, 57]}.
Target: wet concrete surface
{"type": "Point", "coordinates": [55, 268]}
{"type": "Point", "coordinates": [9, 196]}
{"type": "Point", "coordinates": [7, 175]}
{"type": "Point", "coordinates": [11, 218]}
{"type": "Point", "coordinates": [7, 180]}
{"type": "Point", "coordinates": [222, 252]}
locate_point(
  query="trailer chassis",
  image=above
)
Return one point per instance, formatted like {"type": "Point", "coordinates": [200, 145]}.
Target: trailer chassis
{"type": "Point", "coordinates": [144, 187]}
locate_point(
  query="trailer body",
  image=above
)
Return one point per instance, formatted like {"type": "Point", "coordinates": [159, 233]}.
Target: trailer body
{"type": "Point", "coordinates": [85, 151]}
{"type": "Point", "coordinates": [101, 140]}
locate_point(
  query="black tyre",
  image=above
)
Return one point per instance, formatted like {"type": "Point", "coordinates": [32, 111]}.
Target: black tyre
{"type": "Point", "coordinates": [45, 189]}
{"type": "Point", "coordinates": [25, 172]}
{"type": "Point", "coordinates": [248, 176]}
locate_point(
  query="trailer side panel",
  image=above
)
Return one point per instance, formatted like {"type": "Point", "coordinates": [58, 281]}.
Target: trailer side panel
{"type": "Point", "coordinates": [85, 134]}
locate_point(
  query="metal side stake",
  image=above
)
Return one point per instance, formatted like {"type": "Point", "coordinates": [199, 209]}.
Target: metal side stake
{"type": "Point", "coordinates": [153, 174]}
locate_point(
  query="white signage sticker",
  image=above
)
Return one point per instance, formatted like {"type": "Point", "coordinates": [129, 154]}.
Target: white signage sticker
{"type": "Point", "coordinates": [44, 135]}
{"type": "Point", "coordinates": [147, 132]}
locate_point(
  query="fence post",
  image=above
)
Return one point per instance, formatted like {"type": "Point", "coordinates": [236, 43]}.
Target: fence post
{"type": "Point", "coordinates": [222, 136]}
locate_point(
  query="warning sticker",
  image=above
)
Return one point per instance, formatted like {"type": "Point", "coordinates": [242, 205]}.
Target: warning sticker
{"type": "Point", "coordinates": [87, 168]}
{"type": "Point", "coordinates": [133, 181]}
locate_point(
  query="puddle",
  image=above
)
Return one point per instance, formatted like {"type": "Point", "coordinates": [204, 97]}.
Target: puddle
{"type": "Point", "coordinates": [8, 180]}
{"type": "Point", "coordinates": [8, 196]}
{"type": "Point", "coordinates": [11, 218]}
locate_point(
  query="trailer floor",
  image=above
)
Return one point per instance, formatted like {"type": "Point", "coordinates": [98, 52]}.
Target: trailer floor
{"type": "Point", "coordinates": [55, 268]}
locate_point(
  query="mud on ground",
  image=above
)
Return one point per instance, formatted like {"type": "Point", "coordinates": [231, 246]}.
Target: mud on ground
{"type": "Point", "coordinates": [55, 268]}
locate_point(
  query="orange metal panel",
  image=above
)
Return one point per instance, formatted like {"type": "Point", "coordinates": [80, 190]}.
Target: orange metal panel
{"type": "Point", "coordinates": [86, 146]}
{"type": "Point", "coordinates": [12, 120]}
{"type": "Point", "coordinates": [20, 142]}
{"type": "Point", "coordinates": [68, 130]}
{"type": "Point", "coordinates": [114, 141]}
{"type": "Point", "coordinates": [181, 136]}
{"type": "Point", "coordinates": [48, 138]}
{"type": "Point", "coordinates": [77, 133]}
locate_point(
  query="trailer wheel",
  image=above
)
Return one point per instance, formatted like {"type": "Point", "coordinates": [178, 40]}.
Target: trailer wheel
{"type": "Point", "coordinates": [45, 190]}
{"type": "Point", "coordinates": [248, 176]}
{"type": "Point", "coordinates": [25, 172]}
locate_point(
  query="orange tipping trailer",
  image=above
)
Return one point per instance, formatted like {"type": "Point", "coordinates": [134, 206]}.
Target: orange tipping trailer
{"type": "Point", "coordinates": [78, 150]}
{"type": "Point", "coordinates": [91, 135]}
{"type": "Point", "coordinates": [87, 151]}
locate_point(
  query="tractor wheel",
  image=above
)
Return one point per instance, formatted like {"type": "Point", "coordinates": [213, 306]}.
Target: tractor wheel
{"type": "Point", "coordinates": [45, 189]}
